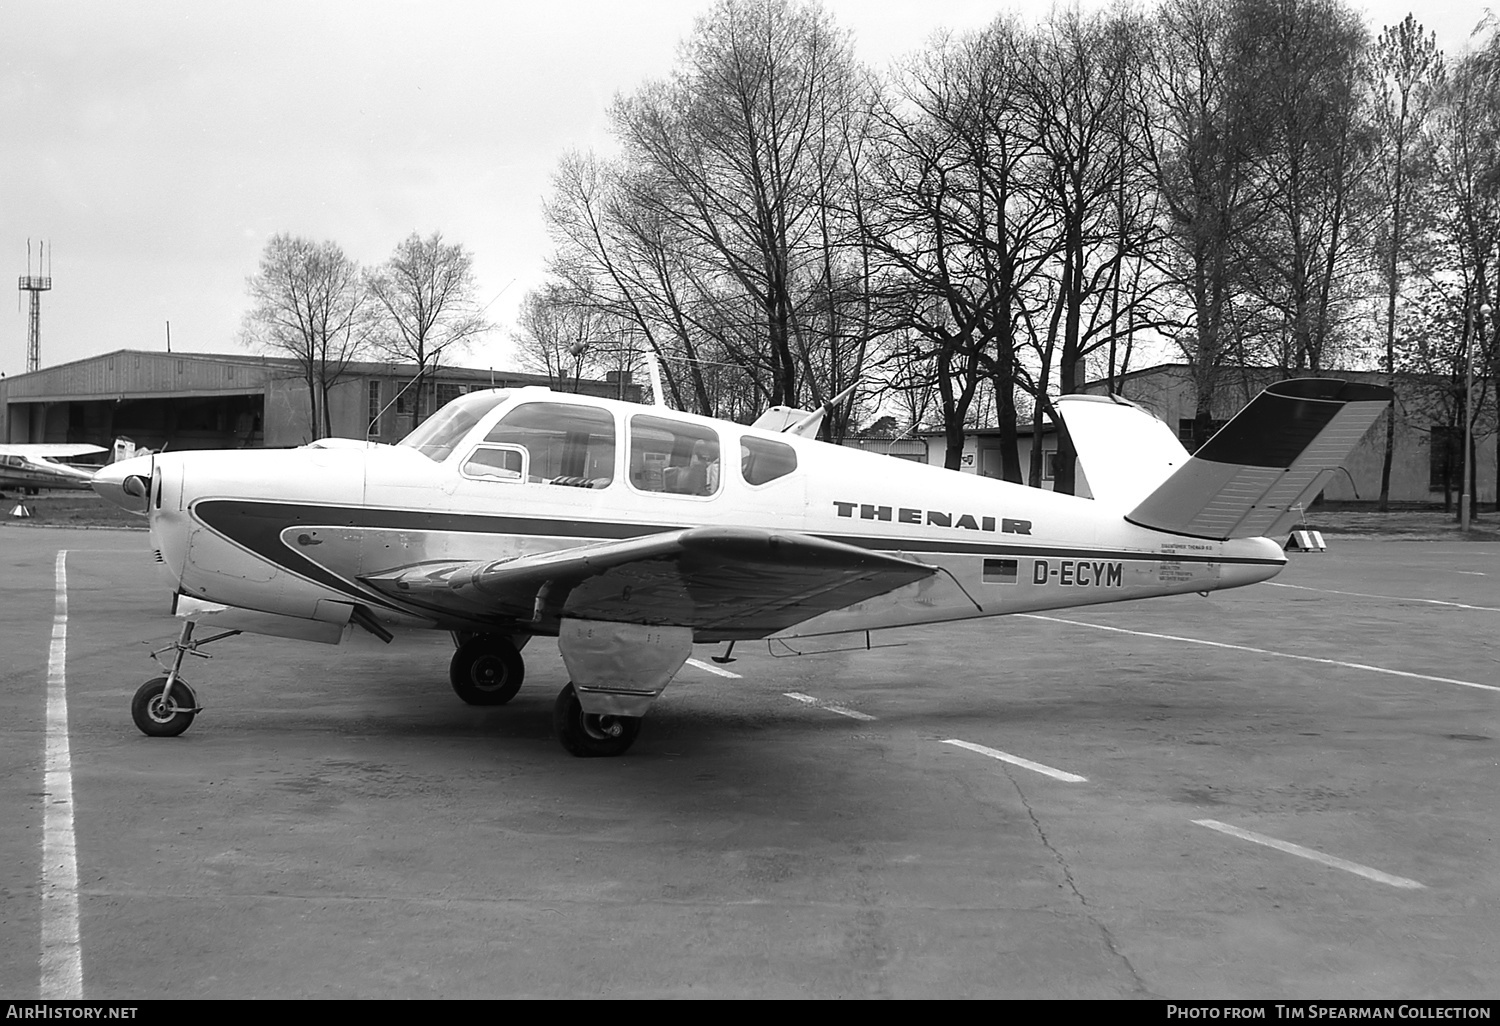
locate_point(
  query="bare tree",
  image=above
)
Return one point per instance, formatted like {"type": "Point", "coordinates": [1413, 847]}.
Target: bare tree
{"type": "Point", "coordinates": [1408, 69]}
{"type": "Point", "coordinates": [565, 335]}
{"type": "Point", "coordinates": [1466, 151]}
{"type": "Point", "coordinates": [627, 263]}
{"type": "Point", "coordinates": [1434, 399]}
{"type": "Point", "coordinates": [955, 224]}
{"type": "Point", "coordinates": [309, 303]}
{"type": "Point", "coordinates": [1309, 250]}
{"type": "Point", "coordinates": [1206, 134]}
{"type": "Point", "coordinates": [731, 163]}
{"type": "Point", "coordinates": [425, 293]}
{"type": "Point", "coordinates": [1090, 124]}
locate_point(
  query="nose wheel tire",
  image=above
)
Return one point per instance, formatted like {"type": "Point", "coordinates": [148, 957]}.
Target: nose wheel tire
{"type": "Point", "coordinates": [163, 717]}
{"type": "Point", "coordinates": [588, 734]}
{"type": "Point", "coordinates": [486, 670]}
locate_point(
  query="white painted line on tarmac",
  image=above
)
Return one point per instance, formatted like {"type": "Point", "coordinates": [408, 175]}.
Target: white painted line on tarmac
{"type": "Point", "coordinates": [853, 714]}
{"type": "Point", "coordinates": [1392, 598]}
{"type": "Point", "coordinates": [1472, 573]}
{"type": "Point", "coordinates": [1268, 652]}
{"type": "Point", "coordinates": [1016, 760]}
{"type": "Point", "coordinates": [713, 669]}
{"type": "Point", "coordinates": [1310, 853]}
{"type": "Point", "coordinates": [62, 956]}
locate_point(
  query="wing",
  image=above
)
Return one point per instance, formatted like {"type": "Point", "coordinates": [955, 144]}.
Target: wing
{"type": "Point", "coordinates": [49, 450]}
{"type": "Point", "coordinates": [723, 582]}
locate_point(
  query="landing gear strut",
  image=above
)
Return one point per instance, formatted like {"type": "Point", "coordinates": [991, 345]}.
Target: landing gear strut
{"type": "Point", "coordinates": [591, 734]}
{"type": "Point", "coordinates": [165, 706]}
{"type": "Point", "coordinates": [486, 670]}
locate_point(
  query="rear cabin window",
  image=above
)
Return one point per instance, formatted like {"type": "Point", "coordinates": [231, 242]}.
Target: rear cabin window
{"type": "Point", "coordinates": [549, 443]}
{"type": "Point", "coordinates": [762, 460]}
{"type": "Point", "coordinates": [674, 457]}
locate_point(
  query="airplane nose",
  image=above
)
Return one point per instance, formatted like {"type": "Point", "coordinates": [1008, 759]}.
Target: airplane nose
{"type": "Point", "coordinates": [127, 484]}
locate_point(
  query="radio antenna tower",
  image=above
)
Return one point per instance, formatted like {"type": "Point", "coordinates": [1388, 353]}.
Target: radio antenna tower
{"type": "Point", "coordinates": [36, 284]}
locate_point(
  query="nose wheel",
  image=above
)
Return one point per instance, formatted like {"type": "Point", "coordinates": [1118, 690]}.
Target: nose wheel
{"type": "Point", "coordinates": [160, 711]}
{"type": "Point", "coordinates": [486, 670]}
{"type": "Point", "coordinates": [587, 734]}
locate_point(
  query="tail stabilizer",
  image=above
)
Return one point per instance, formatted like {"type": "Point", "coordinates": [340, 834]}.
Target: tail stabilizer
{"type": "Point", "coordinates": [1251, 478]}
{"type": "Point", "coordinates": [1124, 450]}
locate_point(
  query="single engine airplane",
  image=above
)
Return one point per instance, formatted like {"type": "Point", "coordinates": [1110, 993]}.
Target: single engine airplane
{"type": "Point", "coordinates": [34, 465]}
{"type": "Point", "coordinates": [631, 533]}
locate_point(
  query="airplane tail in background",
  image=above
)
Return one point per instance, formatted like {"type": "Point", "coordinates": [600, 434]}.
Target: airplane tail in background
{"type": "Point", "coordinates": [125, 448]}
{"type": "Point", "coordinates": [1250, 479]}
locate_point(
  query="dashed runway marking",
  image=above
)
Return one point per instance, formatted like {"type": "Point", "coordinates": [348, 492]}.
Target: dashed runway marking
{"type": "Point", "coordinates": [1266, 651]}
{"type": "Point", "coordinates": [1310, 853]}
{"type": "Point", "coordinates": [713, 669]}
{"type": "Point", "coordinates": [853, 714]}
{"type": "Point", "coordinates": [62, 957]}
{"type": "Point", "coordinates": [1016, 760]}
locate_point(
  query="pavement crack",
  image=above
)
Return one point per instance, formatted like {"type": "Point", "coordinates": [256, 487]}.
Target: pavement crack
{"type": "Point", "coordinates": [1067, 872]}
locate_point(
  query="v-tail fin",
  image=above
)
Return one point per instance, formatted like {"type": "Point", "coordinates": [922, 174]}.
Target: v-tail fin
{"type": "Point", "coordinates": [1124, 451]}
{"type": "Point", "coordinates": [1250, 479]}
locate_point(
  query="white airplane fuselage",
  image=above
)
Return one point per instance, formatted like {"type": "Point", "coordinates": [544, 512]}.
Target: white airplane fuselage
{"type": "Point", "coordinates": [292, 532]}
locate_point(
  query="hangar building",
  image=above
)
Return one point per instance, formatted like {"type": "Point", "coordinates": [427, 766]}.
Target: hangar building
{"type": "Point", "coordinates": [224, 401]}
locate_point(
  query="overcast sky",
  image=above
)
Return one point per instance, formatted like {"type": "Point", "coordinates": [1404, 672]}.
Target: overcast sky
{"type": "Point", "coordinates": [158, 145]}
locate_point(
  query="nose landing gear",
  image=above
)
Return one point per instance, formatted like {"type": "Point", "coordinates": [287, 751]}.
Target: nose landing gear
{"type": "Point", "coordinates": [165, 706]}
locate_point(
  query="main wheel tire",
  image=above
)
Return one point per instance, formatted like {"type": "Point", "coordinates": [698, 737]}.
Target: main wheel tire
{"type": "Point", "coordinates": [588, 735]}
{"type": "Point", "coordinates": [487, 670]}
{"type": "Point", "coordinates": [158, 718]}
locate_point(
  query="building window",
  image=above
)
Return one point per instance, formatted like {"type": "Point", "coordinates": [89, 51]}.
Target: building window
{"type": "Point", "coordinates": [1445, 459]}
{"type": "Point", "coordinates": [1185, 431]}
{"type": "Point", "coordinates": [447, 392]}
{"type": "Point", "coordinates": [1049, 464]}
{"type": "Point", "coordinates": [374, 416]}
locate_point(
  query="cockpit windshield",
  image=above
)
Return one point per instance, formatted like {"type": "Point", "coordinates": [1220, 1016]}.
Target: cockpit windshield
{"type": "Point", "coordinates": [438, 435]}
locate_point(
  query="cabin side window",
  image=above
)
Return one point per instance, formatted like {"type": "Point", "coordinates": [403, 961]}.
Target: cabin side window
{"type": "Point", "coordinates": [496, 463]}
{"type": "Point", "coordinates": [672, 456]}
{"type": "Point", "coordinates": [550, 443]}
{"type": "Point", "coordinates": [762, 460]}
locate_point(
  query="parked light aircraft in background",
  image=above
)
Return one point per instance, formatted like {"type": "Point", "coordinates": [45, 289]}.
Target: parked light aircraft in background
{"type": "Point", "coordinates": [32, 466]}
{"type": "Point", "coordinates": [631, 533]}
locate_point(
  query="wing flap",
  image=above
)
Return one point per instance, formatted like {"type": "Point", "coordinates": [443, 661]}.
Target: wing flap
{"type": "Point", "coordinates": [722, 582]}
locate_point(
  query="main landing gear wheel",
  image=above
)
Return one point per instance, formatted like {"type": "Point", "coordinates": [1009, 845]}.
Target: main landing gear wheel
{"type": "Point", "coordinates": [487, 670]}
{"type": "Point", "coordinates": [587, 734]}
{"type": "Point", "coordinates": [163, 717]}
